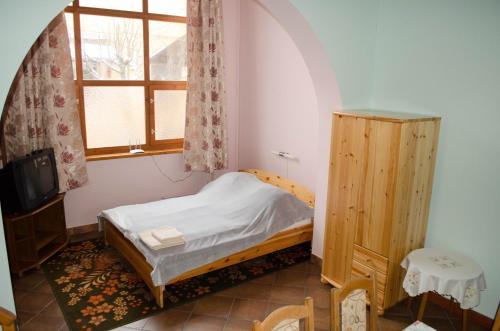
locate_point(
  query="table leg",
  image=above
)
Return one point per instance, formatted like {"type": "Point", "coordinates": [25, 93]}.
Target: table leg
{"type": "Point", "coordinates": [464, 319]}
{"type": "Point", "coordinates": [421, 309]}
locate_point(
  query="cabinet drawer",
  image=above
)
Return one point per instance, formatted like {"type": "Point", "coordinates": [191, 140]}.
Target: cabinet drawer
{"type": "Point", "coordinates": [360, 270]}
{"type": "Point", "coordinates": [370, 259]}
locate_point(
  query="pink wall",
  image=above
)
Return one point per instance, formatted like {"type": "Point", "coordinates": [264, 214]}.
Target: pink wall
{"type": "Point", "coordinates": [278, 108]}
{"type": "Point", "coordinates": [327, 95]}
{"type": "Point", "coordinates": [280, 90]}
{"type": "Point", "coordinates": [135, 180]}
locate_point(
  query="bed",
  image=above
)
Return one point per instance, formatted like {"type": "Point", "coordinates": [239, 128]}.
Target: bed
{"type": "Point", "coordinates": [119, 233]}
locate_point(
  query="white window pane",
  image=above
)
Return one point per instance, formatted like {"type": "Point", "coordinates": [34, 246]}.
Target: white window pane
{"type": "Point", "coordinates": [71, 35]}
{"type": "Point", "coordinates": [168, 7]}
{"type": "Point", "coordinates": [167, 50]}
{"type": "Point", "coordinates": [170, 114]}
{"type": "Point", "coordinates": [130, 5]}
{"type": "Point", "coordinates": [112, 48]}
{"type": "Point", "coordinates": [114, 116]}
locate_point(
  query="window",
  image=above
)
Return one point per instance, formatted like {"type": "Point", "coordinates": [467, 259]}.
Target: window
{"type": "Point", "coordinates": [129, 60]}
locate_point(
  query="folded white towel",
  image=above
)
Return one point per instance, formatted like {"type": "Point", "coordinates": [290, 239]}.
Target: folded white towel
{"type": "Point", "coordinates": [167, 234]}
{"type": "Point", "coordinates": [155, 244]}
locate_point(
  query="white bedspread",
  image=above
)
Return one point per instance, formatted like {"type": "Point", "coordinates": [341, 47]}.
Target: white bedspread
{"type": "Point", "coordinates": [230, 214]}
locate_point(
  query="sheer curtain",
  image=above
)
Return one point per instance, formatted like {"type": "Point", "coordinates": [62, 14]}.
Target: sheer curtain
{"type": "Point", "coordinates": [41, 110]}
{"type": "Point", "coordinates": [205, 139]}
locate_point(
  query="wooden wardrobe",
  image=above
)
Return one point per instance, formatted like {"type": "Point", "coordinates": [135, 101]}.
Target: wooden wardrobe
{"type": "Point", "coordinates": [379, 191]}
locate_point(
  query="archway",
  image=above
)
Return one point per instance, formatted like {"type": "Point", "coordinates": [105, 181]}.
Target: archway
{"type": "Point", "coordinates": [316, 59]}
{"type": "Point", "coordinates": [327, 94]}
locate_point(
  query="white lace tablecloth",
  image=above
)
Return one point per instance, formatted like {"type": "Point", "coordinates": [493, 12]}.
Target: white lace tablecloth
{"type": "Point", "coordinates": [445, 272]}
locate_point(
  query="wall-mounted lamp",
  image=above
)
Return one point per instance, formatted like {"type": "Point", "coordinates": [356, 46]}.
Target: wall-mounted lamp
{"type": "Point", "coordinates": [285, 155]}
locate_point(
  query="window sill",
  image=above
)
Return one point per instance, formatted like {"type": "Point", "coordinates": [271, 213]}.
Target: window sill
{"type": "Point", "coordinates": [111, 156]}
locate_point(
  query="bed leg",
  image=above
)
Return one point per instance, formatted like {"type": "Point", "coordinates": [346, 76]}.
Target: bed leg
{"type": "Point", "coordinates": [106, 241]}
{"type": "Point", "coordinates": [158, 293]}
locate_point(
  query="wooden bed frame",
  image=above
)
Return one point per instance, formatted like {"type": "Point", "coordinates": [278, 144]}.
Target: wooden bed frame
{"type": "Point", "coordinates": [279, 241]}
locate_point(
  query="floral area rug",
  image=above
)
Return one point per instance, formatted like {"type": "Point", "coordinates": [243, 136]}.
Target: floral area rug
{"type": "Point", "coordinates": [97, 289]}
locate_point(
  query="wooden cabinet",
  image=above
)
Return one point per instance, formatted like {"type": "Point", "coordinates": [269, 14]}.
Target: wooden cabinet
{"type": "Point", "coordinates": [379, 191]}
{"type": "Point", "coordinates": [34, 237]}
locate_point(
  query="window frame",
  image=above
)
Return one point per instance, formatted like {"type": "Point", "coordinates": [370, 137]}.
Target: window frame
{"type": "Point", "coordinates": [152, 145]}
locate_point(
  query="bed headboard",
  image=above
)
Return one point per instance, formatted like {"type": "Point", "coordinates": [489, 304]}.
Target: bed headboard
{"type": "Point", "coordinates": [300, 191]}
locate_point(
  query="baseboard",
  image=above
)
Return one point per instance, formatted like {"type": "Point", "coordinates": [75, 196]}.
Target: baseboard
{"type": "Point", "coordinates": [316, 260]}
{"type": "Point", "coordinates": [451, 307]}
{"type": "Point", "coordinates": [83, 229]}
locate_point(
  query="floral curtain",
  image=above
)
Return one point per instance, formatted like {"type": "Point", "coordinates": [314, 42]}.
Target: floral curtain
{"type": "Point", "coordinates": [205, 138]}
{"type": "Point", "coordinates": [41, 110]}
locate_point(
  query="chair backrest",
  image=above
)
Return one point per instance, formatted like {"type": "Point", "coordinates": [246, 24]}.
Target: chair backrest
{"type": "Point", "coordinates": [496, 323]}
{"type": "Point", "coordinates": [352, 299]}
{"type": "Point", "coordinates": [7, 320]}
{"type": "Point", "coordinates": [285, 313]}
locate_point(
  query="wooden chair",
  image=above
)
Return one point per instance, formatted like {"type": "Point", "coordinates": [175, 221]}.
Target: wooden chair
{"type": "Point", "coordinates": [7, 320]}
{"type": "Point", "coordinates": [352, 297]}
{"type": "Point", "coordinates": [288, 313]}
{"type": "Point", "coordinates": [496, 323]}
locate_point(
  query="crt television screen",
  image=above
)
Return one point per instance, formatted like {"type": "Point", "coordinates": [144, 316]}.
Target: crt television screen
{"type": "Point", "coordinates": [39, 177]}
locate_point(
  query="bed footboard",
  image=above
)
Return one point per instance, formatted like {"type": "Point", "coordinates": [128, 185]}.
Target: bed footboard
{"type": "Point", "coordinates": [279, 241]}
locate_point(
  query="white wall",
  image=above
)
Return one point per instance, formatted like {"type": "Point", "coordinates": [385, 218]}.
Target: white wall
{"type": "Point", "coordinates": [12, 14]}
{"type": "Point", "coordinates": [347, 31]}
{"type": "Point", "coordinates": [443, 57]}
{"type": "Point", "coordinates": [6, 297]}
{"type": "Point", "coordinates": [277, 107]}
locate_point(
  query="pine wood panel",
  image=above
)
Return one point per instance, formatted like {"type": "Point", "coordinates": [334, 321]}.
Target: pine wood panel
{"type": "Point", "coordinates": [370, 259]}
{"type": "Point", "coordinates": [343, 195]}
{"type": "Point", "coordinates": [414, 187]}
{"type": "Point", "coordinates": [386, 116]}
{"type": "Point", "coordinates": [279, 241]}
{"type": "Point", "coordinates": [298, 190]}
{"type": "Point", "coordinates": [377, 185]}
{"type": "Point", "coordinates": [380, 183]}
{"type": "Point", "coordinates": [361, 270]}
{"type": "Point", "coordinates": [291, 312]}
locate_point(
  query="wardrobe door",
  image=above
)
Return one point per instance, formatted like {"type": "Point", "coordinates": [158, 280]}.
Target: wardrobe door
{"type": "Point", "coordinates": [346, 171]}
{"type": "Point", "coordinates": [377, 181]}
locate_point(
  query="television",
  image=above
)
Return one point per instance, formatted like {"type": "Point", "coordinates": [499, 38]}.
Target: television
{"type": "Point", "coordinates": [27, 182]}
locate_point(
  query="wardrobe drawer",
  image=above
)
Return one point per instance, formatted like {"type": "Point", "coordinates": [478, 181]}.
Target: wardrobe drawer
{"type": "Point", "coordinates": [370, 259]}
{"type": "Point", "coordinates": [360, 270]}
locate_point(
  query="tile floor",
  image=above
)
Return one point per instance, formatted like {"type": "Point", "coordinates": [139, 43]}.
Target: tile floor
{"type": "Point", "coordinates": [230, 310]}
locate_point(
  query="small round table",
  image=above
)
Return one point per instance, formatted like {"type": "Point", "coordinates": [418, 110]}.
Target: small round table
{"type": "Point", "coordinates": [448, 273]}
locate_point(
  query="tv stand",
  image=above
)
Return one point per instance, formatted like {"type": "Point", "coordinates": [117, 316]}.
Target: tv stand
{"type": "Point", "coordinates": [34, 237]}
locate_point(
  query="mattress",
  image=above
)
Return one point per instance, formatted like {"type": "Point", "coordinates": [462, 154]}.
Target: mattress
{"type": "Point", "coordinates": [232, 213]}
